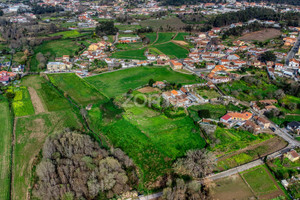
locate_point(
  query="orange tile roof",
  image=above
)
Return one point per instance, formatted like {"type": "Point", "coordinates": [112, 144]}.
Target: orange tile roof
{"type": "Point", "coordinates": [174, 92]}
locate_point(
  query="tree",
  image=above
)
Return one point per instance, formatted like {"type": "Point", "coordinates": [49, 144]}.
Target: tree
{"type": "Point", "coordinates": [106, 28]}
{"type": "Point", "coordinates": [151, 82]}
{"type": "Point", "coordinates": [267, 56]}
{"type": "Point", "coordinates": [74, 165]}
{"type": "Point", "coordinates": [197, 163]}
{"type": "Point", "coordinates": [185, 190]}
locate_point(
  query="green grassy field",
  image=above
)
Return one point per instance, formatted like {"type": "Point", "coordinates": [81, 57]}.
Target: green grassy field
{"type": "Point", "coordinates": [137, 54]}
{"type": "Point", "coordinates": [56, 48]}
{"type": "Point", "coordinates": [172, 49]}
{"type": "Point", "coordinates": [156, 24]}
{"type": "Point", "coordinates": [208, 93]}
{"type": "Point", "coordinates": [151, 36]}
{"type": "Point", "coordinates": [150, 138]}
{"type": "Point", "coordinates": [284, 169]}
{"type": "Point", "coordinates": [164, 37]}
{"type": "Point", "coordinates": [127, 27]}
{"type": "Point", "coordinates": [21, 104]}
{"type": "Point", "coordinates": [248, 91]}
{"type": "Point", "coordinates": [69, 34]}
{"type": "Point", "coordinates": [233, 139]}
{"type": "Point", "coordinates": [260, 181]}
{"type": "Point", "coordinates": [132, 78]}
{"type": "Point", "coordinates": [216, 111]}
{"type": "Point", "coordinates": [5, 149]}
{"type": "Point", "coordinates": [31, 133]}
{"type": "Point", "coordinates": [130, 46]}
{"type": "Point", "coordinates": [76, 88]}
{"type": "Point", "coordinates": [180, 36]}
{"type": "Point", "coordinates": [51, 98]}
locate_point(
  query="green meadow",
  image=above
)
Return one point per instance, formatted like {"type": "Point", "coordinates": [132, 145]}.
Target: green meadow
{"type": "Point", "coordinates": [119, 82]}
{"type": "Point", "coordinates": [172, 49]}
{"type": "Point", "coordinates": [150, 138]}
{"type": "Point", "coordinates": [21, 103]}
{"type": "Point", "coordinates": [5, 148]}
{"type": "Point", "coordinates": [75, 87]}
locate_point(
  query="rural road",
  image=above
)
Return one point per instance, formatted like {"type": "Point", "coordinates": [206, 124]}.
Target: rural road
{"type": "Point", "coordinates": [247, 166]}
{"type": "Point", "coordinates": [293, 51]}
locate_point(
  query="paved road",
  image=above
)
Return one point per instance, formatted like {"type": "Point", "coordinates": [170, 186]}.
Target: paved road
{"type": "Point", "coordinates": [293, 51]}
{"type": "Point", "coordinates": [247, 166]}
{"type": "Point", "coordinates": [151, 196]}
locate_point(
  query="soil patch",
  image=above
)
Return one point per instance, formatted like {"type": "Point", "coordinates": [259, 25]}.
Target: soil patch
{"type": "Point", "coordinates": [232, 187]}
{"type": "Point", "coordinates": [179, 42]}
{"type": "Point", "coordinates": [148, 89]}
{"type": "Point", "coordinates": [36, 101]}
{"type": "Point", "coordinates": [261, 35]}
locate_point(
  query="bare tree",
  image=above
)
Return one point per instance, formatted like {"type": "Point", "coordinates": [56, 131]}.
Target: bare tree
{"type": "Point", "coordinates": [197, 163]}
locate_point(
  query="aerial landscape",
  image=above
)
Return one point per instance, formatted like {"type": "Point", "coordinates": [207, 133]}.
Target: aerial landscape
{"type": "Point", "coordinates": [150, 99]}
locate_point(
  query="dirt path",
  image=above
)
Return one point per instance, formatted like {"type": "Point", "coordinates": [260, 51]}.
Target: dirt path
{"type": "Point", "coordinates": [274, 145]}
{"type": "Point", "coordinates": [36, 101]}
{"type": "Point", "coordinates": [13, 142]}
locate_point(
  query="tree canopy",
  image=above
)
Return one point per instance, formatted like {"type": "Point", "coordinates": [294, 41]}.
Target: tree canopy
{"type": "Point", "coordinates": [74, 166]}
{"type": "Point", "coordinates": [106, 28]}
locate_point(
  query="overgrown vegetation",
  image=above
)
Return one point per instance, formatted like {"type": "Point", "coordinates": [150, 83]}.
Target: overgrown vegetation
{"type": "Point", "coordinates": [74, 166]}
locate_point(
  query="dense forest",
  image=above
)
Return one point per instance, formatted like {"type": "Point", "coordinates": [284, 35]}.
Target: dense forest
{"type": "Point", "coordinates": [37, 9]}
{"type": "Point", "coordinates": [73, 166]}
{"type": "Point", "coordinates": [291, 2]}
{"type": "Point", "coordinates": [291, 19]}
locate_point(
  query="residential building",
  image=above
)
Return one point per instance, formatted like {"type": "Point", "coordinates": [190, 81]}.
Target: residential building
{"type": "Point", "coordinates": [175, 64]}
{"type": "Point", "coordinates": [292, 155]}
{"type": "Point", "coordinates": [58, 66]}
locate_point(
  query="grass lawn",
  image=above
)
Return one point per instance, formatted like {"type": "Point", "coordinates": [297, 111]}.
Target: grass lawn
{"type": "Point", "coordinates": [150, 138]}
{"type": "Point", "coordinates": [124, 27]}
{"type": "Point", "coordinates": [286, 119]}
{"type": "Point", "coordinates": [50, 96]}
{"type": "Point", "coordinates": [230, 140]}
{"type": "Point", "coordinates": [180, 36]}
{"type": "Point", "coordinates": [56, 48]}
{"type": "Point", "coordinates": [260, 181]}
{"type": "Point", "coordinates": [172, 49]}
{"type": "Point", "coordinates": [80, 91]}
{"type": "Point", "coordinates": [284, 169]}
{"type": "Point", "coordinates": [31, 133]}
{"type": "Point", "coordinates": [5, 149]}
{"type": "Point", "coordinates": [164, 37]}
{"type": "Point", "coordinates": [116, 83]}
{"type": "Point", "coordinates": [69, 34]}
{"type": "Point", "coordinates": [207, 94]}
{"type": "Point", "coordinates": [130, 46]}
{"type": "Point", "coordinates": [21, 104]}
{"type": "Point", "coordinates": [250, 91]}
{"type": "Point", "coordinates": [216, 111]}
{"type": "Point", "coordinates": [18, 57]}
{"type": "Point", "coordinates": [151, 36]}
{"type": "Point", "coordinates": [137, 54]}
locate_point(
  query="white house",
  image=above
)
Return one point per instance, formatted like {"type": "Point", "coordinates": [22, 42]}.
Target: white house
{"type": "Point", "coordinates": [233, 57]}
{"type": "Point", "coordinates": [294, 64]}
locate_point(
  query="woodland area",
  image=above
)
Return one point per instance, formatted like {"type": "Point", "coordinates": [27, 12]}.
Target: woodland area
{"type": "Point", "coordinates": [75, 167]}
{"type": "Point", "coordinates": [292, 19]}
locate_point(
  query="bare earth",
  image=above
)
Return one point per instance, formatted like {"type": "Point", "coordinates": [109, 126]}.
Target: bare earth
{"type": "Point", "coordinates": [148, 89]}
{"type": "Point", "coordinates": [180, 42]}
{"type": "Point", "coordinates": [36, 101]}
{"type": "Point", "coordinates": [261, 35]}
{"type": "Point", "coordinates": [230, 188]}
